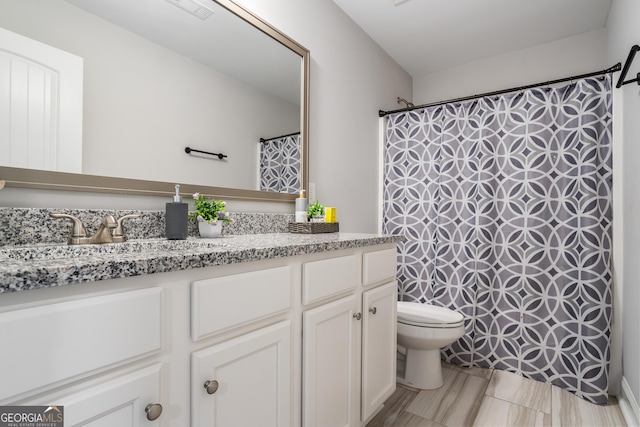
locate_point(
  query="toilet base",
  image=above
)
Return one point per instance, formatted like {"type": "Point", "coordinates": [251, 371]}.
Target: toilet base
{"type": "Point", "coordinates": [422, 370]}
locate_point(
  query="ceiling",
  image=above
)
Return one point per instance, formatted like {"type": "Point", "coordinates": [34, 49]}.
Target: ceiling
{"type": "Point", "coordinates": [425, 36]}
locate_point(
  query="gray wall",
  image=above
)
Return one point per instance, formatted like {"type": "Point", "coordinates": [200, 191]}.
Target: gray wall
{"type": "Point", "coordinates": [567, 57]}
{"type": "Point", "coordinates": [623, 32]}
{"type": "Point", "coordinates": [351, 79]}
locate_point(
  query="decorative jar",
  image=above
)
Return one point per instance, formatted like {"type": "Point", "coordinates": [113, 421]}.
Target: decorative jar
{"type": "Point", "coordinates": [208, 230]}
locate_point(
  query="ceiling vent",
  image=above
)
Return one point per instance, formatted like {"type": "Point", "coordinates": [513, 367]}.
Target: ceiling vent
{"type": "Point", "coordinates": [199, 9]}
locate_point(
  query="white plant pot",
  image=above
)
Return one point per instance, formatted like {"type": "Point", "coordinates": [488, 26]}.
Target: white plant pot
{"type": "Point", "coordinates": [209, 231]}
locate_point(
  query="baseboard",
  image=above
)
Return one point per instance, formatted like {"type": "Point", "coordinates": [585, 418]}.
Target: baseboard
{"type": "Point", "coordinates": [629, 405]}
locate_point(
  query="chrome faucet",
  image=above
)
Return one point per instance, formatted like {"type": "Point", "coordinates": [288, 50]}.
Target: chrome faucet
{"type": "Point", "coordinates": [109, 231]}
{"type": "Point", "coordinates": [103, 235]}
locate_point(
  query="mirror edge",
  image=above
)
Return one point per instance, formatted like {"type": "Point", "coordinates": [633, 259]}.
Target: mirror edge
{"type": "Point", "coordinates": [49, 180]}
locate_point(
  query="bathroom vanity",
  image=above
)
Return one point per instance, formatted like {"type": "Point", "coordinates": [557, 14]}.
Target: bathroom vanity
{"type": "Point", "coordinates": [268, 330]}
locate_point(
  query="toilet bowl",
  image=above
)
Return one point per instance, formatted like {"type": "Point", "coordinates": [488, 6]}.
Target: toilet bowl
{"type": "Point", "coordinates": [423, 329]}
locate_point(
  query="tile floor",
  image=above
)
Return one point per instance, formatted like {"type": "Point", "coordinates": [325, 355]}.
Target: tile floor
{"type": "Point", "coordinates": [484, 397]}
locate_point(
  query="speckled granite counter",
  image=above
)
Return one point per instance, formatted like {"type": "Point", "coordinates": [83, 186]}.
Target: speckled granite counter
{"type": "Point", "coordinates": [40, 266]}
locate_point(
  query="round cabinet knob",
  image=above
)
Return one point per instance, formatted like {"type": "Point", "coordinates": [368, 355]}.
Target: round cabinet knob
{"type": "Point", "coordinates": [211, 386]}
{"type": "Point", "coordinates": [153, 410]}
{"type": "Point", "coordinates": [373, 310]}
{"type": "Point", "coordinates": [357, 316]}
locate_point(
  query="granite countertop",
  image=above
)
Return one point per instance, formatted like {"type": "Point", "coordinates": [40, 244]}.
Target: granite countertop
{"type": "Point", "coordinates": [46, 265]}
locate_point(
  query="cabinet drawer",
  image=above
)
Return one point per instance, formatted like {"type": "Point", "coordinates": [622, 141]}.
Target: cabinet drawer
{"type": "Point", "coordinates": [114, 401]}
{"type": "Point", "coordinates": [48, 344]}
{"type": "Point", "coordinates": [378, 266]}
{"type": "Point", "coordinates": [225, 302]}
{"type": "Point", "coordinates": [329, 277]}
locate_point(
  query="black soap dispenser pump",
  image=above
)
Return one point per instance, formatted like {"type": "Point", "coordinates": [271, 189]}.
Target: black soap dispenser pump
{"type": "Point", "coordinates": [177, 218]}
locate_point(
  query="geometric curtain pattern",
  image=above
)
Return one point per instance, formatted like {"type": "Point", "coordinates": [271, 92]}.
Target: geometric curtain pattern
{"type": "Point", "coordinates": [505, 203]}
{"type": "Point", "coordinates": [280, 164]}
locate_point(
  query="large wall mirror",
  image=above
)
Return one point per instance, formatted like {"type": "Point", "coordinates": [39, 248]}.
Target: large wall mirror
{"type": "Point", "coordinates": [106, 96]}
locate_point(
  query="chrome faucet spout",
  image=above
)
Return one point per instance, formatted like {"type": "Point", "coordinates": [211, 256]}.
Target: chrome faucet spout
{"type": "Point", "coordinates": [103, 235]}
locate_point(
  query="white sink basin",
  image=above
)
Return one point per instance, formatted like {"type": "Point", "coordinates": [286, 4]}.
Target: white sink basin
{"type": "Point", "coordinates": [44, 252]}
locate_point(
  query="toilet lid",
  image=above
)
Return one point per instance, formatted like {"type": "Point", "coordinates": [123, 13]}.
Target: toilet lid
{"type": "Point", "coordinates": [427, 314]}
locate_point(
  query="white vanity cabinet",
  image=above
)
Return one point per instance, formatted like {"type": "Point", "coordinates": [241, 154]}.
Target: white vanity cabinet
{"type": "Point", "coordinates": [297, 341]}
{"type": "Point", "coordinates": [54, 343]}
{"type": "Point", "coordinates": [247, 380]}
{"type": "Point", "coordinates": [128, 400]}
{"type": "Point", "coordinates": [138, 351]}
{"type": "Point", "coordinates": [330, 364]}
{"type": "Point", "coordinates": [349, 342]}
{"type": "Point", "coordinates": [378, 347]}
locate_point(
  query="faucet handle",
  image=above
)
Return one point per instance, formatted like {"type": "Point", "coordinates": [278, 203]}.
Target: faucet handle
{"type": "Point", "coordinates": [78, 232]}
{"type": "Point", "coordinates": [118, 233]}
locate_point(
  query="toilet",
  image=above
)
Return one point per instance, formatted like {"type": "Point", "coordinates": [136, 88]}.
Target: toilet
{"type": "Point", "coordinates": [423, 329]}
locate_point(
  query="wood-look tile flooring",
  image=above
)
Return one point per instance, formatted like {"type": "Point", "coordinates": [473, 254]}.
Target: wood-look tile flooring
{"type": "Point", "coordinates": [484, 397]}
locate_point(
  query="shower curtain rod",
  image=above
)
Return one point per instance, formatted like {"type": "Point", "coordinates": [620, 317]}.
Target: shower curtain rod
{"type": "Point", "coordinates": [278, 137]}
{"type": "Point", "coordinates": [617, 67]}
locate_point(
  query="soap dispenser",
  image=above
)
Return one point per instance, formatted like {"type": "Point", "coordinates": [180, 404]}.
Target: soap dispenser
{"type": "Point", "coordinates": [177, 218]}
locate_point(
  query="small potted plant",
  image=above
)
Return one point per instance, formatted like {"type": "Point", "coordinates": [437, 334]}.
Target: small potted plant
{"type": "Point", "coordinates": [315, 212]}
{"type": "Point", "coordinates": [210, 214]}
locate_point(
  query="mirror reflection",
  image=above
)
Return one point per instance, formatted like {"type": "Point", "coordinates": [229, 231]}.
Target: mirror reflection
{"type": "Point", "coordinates": [120, 88]}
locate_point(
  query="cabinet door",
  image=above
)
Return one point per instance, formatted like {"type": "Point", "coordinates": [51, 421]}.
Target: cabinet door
{"type": "Point", "coordinates": [52, 344]}
{"type": "Point", "coordinates": [120, 401]}
{"type": "Point", "coordinates": [248, 380]}
{"type": "Point", "coordinates": [330, 361]}
{"type": "Point", "coordinates": [378, 347]}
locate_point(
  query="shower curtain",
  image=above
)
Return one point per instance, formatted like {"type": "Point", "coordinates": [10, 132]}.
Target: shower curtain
{"type": "Point", "coordinates": [280, 164]}
{"type": "Point", "coordinates": [506, 206]}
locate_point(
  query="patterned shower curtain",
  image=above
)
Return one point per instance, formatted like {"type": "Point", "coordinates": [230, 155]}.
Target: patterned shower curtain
{"type": "Point", "coordinates": [506, 205]}
{"type": "Point", "coordinates": [280, 164]}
